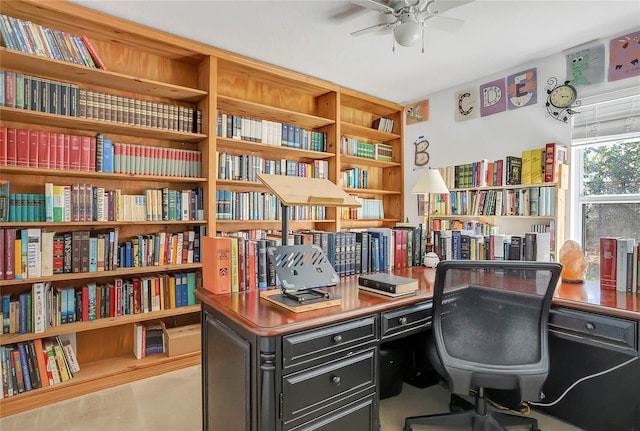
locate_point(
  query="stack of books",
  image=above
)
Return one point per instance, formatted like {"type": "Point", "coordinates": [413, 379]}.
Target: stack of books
{"type": "Point", "coordinates": [387, 284]}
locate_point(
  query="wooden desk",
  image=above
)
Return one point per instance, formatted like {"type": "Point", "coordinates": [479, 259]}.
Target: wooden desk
{"type": "Point", "coordinates": [267, 369]}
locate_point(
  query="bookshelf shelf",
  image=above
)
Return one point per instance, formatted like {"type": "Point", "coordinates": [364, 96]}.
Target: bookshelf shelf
{"type": "Point", "coordinates": [78, 74]}
{"type": "Point", "coordinates": [17, 170]}
{"type": "Point", "coordinates": [372, 192]}
{"type": "Point", "coordinates": [122, 272]}
{"type": "Point", "coordinates": [97, 225]}
{"type": "Point", "coordinates": [265, 112]}
{"type": "Point", "coordinates": [366, 134]}
{"type": "Point", "coordinates": [237, 225]}
{"type": "Point", "coordinates": [350, 161]}
{"type": "Point", "coordinates": [99, 375]}
{"type": "Point", "coordinates": [77, 123]}
{"type": "Point", "coordinates": [269, 150]}
{"type": "Point", "coordinates": [98, 324]}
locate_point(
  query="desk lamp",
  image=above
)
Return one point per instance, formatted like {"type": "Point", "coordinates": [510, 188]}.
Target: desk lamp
{"type": "Point", "coordinates": [430, 181]}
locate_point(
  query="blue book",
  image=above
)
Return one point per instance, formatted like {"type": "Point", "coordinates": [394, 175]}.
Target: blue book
{"type": "Point", "coordinates": [22, 313]}
{"type": "Point", "coordinates": [93, 254]}
{"type": "Point", "coordinates": [128, 254]}
{"type": "Point", "coordinates": [6, 313]}
{"type": "Point", "coordinates": [191, 288]}
{"type": "Point", "coordinates": [107, 155]}
{"type": "Point", "coordinates": [26, 376]}
{"type": "Point", "coordinates": [92, 301]}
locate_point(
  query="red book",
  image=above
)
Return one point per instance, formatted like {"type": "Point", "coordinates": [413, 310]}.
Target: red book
{"type": "Point", "coordinates": [112, 299]}
{"type": "Point", "coordinates": [53, 150]}
{"type": "Point", "coordinates": [58, 254]}
{"type": "Point", "coordinates": [67, 152]}
{"type": "Point", "coordinates": [74, 153]}
{"type": "Point", "coordinates": [44, 158]}
{"type": "Point", "coordinates": [85, 303]}
{"type": "Point", "coordinates": [216, 264]}
{"type": "Point", "coordinates": [117, 167]}
{"type": "Point", "coordinates": [92, 156]}
{"type": "Point", "coordinates": [85, 153]}
{"type": "Point", "coordinates": [137, 296]}
{"type": "Point", "coordinates": [34, 145]}
{"type": "Point", "coordinates": [252, 252]}
{"type": "Point", "coordinates": [554, 156]}
{"type": "Point", "coordinates": [93, 52]}
{"type": "Point", "coordinates": [9, 89]}
{"type": "Point", "coordinates": [608, 263]}
{"type": "Point", "coordinates": [3, 146]}
{"type": "Point", "coordinates": [22, 145]}
{"type": "Point", "coordinates": [42, 359]}
{"type": "Point", "coordinates": [12, 146]}
{"type": "Point", "coordinates": [61, 160]}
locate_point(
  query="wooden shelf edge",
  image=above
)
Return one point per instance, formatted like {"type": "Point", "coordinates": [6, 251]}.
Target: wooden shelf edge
{"type": "Point", "coordinates": [122, 272]}
{"type": "Point", "coordinates": [505, 187]}
{"type": "Point", "coordinates": [355, 160]}
{"type": "Point", "coordinates": [86, 75]}
{"type": "Point", "coordinates": [366, 132]}
{"type": "Point", "coordinates": [98, 323]}
{"type": "Point", "coordinates": [20, 170]}
{"type": "Point", "coordinates": [98, 376]}
{"type": "Point", "coordinates": [521, 217]}
{"type": "Point", "coordinates": [259, 147]}
{"type": "Point", "coordinates": [99, 224]}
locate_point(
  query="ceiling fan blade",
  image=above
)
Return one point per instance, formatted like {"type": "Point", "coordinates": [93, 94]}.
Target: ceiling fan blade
{"type": "Point", "coordinates": [440, 6]}
{"type": "Point", "coordinates": [443, 23]}
{"type": "Point", "coordinates": [372, 28]}
{"type": "Point", "coordinates": [374, 5]}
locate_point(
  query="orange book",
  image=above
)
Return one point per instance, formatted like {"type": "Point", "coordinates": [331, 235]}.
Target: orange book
{"type": "Point", "coordinates": [41, 358]}
{"type": "Point", "coordinates": [216, 264]}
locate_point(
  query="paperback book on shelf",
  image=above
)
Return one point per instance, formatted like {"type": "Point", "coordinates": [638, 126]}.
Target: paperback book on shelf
{"type": "Point", "coordinates": [388, 283]}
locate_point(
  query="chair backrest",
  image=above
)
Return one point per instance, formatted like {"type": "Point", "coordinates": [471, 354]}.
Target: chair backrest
{"type": "Point", "coordinates": [490, 323]}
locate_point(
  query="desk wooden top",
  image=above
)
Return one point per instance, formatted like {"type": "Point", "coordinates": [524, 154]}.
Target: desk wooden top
{"type": "Point", "coordinates": [266, 319]}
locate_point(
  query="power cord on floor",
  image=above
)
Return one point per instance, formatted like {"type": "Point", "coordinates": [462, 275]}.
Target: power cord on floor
{"type": "Point", "coordinates": [580, 381]}
{"type": "Point", "coordinates": [524, 407]}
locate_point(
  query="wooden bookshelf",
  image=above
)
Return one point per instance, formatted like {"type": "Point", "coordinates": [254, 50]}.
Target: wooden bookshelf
{"type": "Point", "coordinates": [155, 66]}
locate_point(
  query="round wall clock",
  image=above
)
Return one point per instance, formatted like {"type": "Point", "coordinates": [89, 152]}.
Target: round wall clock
{"type": "Point", "coordinates": [561, 99]}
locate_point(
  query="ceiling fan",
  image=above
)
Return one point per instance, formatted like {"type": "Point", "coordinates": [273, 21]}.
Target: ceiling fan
{"type": "Point", "coordinates": [411, 18]}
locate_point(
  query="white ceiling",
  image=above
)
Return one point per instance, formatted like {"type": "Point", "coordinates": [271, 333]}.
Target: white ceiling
{"type": "Point", "coordinates": [313, 37]}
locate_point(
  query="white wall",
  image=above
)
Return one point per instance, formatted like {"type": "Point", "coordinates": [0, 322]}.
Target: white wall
{"type": "Point", "coordinates": [498, 135]}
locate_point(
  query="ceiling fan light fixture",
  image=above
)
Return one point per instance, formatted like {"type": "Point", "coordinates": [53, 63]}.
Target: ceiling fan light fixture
{"type": "Point", "coordinates": [407, 33]}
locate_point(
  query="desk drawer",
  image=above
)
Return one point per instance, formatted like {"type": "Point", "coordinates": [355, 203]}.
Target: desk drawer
{"type": "Point", "coordinates": [313, 389]}
{"type": "Point", "coordinates": [596, 328]}
{"type": "Point", "coordinates": [313, 344]}
{"type": "Point", "coordinates": [406, 319]}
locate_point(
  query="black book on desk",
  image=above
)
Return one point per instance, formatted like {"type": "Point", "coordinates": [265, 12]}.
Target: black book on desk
{"type": "Point", "coordinates": [389, 283]}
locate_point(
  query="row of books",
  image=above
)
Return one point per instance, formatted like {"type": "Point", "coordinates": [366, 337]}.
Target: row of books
{"type": "Point", "coordinates": [80, 202]}
{"type": "Point", "coordinates": [270, 132]}
{"type": "Point", "coordinates": [475, 226]}
{"type": "Point", "coordinates": [355, 177]}
{"type": "Point", "coordinates": [620, 264]}
{"type": "Point", "coordinates": [36, 39]}
{"type": "Point", "coordinates": [527, 201]}
{"type": "Point", "coordinates": [241, 262]}
{"type": "Point", "coordinates": [45, 306]}
{"type": "Point", "coordinates": [353, 147]}
{"type": "Point", "coordinates": [33, 253]}
{"type": "Point", "coordinates": [369, 209]}
{"type": "Point", "coordinates": [246, 167]}
{"type": "Point", "coordinates": [467, 245]}
{"type": "Point", "coordinates": [383, 124]}
{"type": "Point", "coordinates": [147, 160]}
{"type": "Point", "coordinates": [536, 166]}
{"type": "Point", "coordinates": [232, 205]}
{"type": "Point", "coordinates": [138, 112]}
{"type": "Point", "coordinates": [35, 364]}
{"type": "Point", "coordinates": [148, 338]}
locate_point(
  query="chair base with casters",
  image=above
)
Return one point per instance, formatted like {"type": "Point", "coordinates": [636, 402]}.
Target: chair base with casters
{"type": "Point", "coordinates": [478, 419]}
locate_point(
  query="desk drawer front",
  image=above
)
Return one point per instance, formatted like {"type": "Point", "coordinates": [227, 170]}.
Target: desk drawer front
{"type": "Point", "coordinates": [310, 390]}
{"type": "Point", "coordinates": [610, 330]}
{"type": "Point", "coordinates": [309, 345]}
{"type": "Point", "coordinates": [406, 319]}
{"type": "Point", "coordinates": [356, 416]}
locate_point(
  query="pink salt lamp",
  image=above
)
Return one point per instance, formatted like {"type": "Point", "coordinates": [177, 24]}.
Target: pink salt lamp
{"type": "Point", "coordinates": [574, 264]}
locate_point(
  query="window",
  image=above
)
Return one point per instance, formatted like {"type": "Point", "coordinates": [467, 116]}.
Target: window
{"type": "Point", "coordinates": [605, 160]}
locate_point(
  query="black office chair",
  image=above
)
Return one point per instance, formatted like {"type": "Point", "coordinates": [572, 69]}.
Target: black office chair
{"type": "Point", "coordinates": [490, 332]}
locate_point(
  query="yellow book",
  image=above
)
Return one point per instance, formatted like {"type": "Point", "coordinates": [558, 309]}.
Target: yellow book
{"type": "Point", "coordinates": [172, 292]}
{"type": "Point", "coordinates": [526, 166]}
{"type": "Point", "coordinates": [62, 366]}
{"type": "Point", "coordinates": [235, 277]}
{"type": "Point", "coordinates": [17, 254]}
{"type": "Point", "coordinates": [537, 166]}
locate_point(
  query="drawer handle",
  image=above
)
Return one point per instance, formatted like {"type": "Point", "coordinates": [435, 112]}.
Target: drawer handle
{"type": "Point", "coordinates": [337, 339]}
{"type": "Point", "coordinates": [336, 380]}
{"type": "Point", "coordinates": [589, 326]}
{"type": "Point", "coordinates": [402, 320]}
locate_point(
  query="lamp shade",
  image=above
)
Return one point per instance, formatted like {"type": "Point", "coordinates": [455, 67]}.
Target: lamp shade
{"type": "Point", "coordinates": [407, 33]}
{"type": "Point", "coordinates": [430, 181]}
